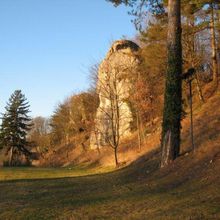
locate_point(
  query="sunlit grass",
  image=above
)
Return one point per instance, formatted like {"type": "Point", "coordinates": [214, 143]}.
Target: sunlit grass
{"type": "Point", "coordinates": [60, 193]}
{"type": "Point", "coordinates": [17, 173]}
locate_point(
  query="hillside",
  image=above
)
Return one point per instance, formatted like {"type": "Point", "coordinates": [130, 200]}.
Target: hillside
{"type": "Point", "coordinates": [187, 189]}
{"type": "Point", "coordinates": [73, 154]}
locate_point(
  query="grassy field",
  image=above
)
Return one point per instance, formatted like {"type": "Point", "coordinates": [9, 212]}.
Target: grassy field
{"type": "Point", "coordinates": [188, 189]}
{"type": "Point", "coordinates": [140, 191]}
{"type": "Point", "coordinates": [19, 173]}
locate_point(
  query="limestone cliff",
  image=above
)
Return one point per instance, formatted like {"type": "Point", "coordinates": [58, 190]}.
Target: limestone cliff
{"type": "Point", "coordinates": [114, 116]}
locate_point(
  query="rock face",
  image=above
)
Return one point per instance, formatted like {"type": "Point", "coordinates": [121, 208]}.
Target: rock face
{"type": "Point", "coordinates": [114, 116]}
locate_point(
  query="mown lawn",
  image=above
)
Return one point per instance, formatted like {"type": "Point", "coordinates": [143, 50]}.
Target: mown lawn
{"type": "Point", "coordinates": [17, 173]}
{"type": "Point", "coordinates": [140, 191]}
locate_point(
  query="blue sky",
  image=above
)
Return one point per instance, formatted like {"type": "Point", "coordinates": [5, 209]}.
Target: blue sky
{"type": "Point", "coordinates": [47, 46]}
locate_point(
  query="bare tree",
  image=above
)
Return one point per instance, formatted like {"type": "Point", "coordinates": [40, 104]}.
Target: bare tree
{"type": "Point", "coordinates": [113, 117]}
{"type": "Point", "coordinates": [39, 135]}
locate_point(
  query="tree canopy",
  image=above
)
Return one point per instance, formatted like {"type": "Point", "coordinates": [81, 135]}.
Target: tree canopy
{"type": "Point", "coordinates": [15, 126]}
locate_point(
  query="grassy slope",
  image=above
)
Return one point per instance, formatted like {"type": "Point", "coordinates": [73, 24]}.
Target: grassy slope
{"type": "Point", "coordinates": [187, 189]}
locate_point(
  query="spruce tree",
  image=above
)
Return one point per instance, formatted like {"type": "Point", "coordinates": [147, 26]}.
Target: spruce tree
{"type": "Point", "coordinates": [15, 125]}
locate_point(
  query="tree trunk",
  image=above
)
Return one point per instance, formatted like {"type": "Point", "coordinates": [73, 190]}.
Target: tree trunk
{"type": "Point", "coordinates": [199, 89]}
{"type": "Point", "coordinates": [213, 45]}
{"type": "Point", "coordinates": [11, 156]}
{"type": "Point", "coordinates": [191, 115]}
{"type": "Point", "coordinates": [193, 52]}
{"type": "Point", "coordinates": [166, 149]}
{"type": "Point", "coordinates": [139, 130]}
{"type": "Point", "coordinates": [98, 150]}
{"type": "Point", "coordinates": [67, 139]}
{"type": "Point", "coordinates": [116, 157]}
{"type": "Point", "coordinates": [218, 25]}
{"type": "Point", "coordinates": [173, 92]}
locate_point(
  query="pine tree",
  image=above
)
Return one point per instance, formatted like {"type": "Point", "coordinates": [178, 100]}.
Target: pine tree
{"type": "Point", "coordinates": [15, 125]}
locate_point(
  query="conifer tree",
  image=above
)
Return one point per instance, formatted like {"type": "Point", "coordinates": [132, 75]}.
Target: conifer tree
{"type": "Point", "coordinates": [15, 126]}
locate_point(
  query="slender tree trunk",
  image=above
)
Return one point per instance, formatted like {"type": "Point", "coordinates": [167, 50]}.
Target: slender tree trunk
{"type": "Point", "coordinates": [218, 25]}
{"type": "Point", "coordinates": [191, 115]}
{"type": "Point", "coordinates": [199, 89]}
{"type": "Point", "coordinates": [67, 139]}
{"type": "Point", "coordinates": [116, 156]}
{"type": "Point", "coordinates": [98, 150]}
{"type": "Point", "coordinates": [213, 45]}
{"type": "Point", "coordinates": [11, 156]}
{"type": "Point", "coordinates": [67, 155]}
{"type": "Point", "coordinates": [139, 130]}
{"type": "Point", "coordinates": [139, 127]}
{"type": "Point", "coordinates": [173, 91]}
{"type": "Point", "coordinates": [98, 145]}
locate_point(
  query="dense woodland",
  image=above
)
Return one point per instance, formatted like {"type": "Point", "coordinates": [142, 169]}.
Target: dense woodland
{"type": "Point", "coordinates": [179, 36]}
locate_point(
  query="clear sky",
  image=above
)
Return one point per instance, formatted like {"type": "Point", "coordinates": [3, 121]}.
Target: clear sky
{"type": "Point", "coordinates": [47, 46]}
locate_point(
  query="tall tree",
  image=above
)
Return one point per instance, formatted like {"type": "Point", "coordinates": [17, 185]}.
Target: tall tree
{"type": "Point", "coordinates": [210, 7]}
{"type": "Point", "coordinates": [173, 91]}
{"type": "Point", "coordinates": [112, 118]}
{"type": "Point", "coordinates": [193, 50]}
{"type": "Point", "coordinates": [15, 126]}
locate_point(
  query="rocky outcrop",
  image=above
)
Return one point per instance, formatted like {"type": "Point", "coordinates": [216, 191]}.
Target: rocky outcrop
{"type": "Point", "coordinates": [114, 116]}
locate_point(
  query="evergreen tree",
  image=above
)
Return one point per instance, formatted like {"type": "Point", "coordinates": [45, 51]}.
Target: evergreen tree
{"type": "Point", "coordinates": [15, 126]}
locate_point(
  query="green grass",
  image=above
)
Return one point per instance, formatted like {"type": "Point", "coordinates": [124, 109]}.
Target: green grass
{"type": "Point", "coordinates": [140, 191]}
{"type": "Point", "coordinates": [17, 173]}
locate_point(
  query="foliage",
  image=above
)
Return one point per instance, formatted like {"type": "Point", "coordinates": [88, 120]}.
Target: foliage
{"type": "Point", "coordinates": [39, 135]}
{"type": "Point", "coordinates": [149, 85]}
{"type": "Point", "coordinates": [73, 117]}
{"type": "Point", "coordinates": [15, 126]}
{"type": "Point", "coordinates": [139, 9]}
